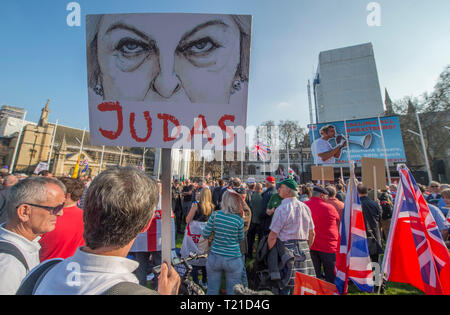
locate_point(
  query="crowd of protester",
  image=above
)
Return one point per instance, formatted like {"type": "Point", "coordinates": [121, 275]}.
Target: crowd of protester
{"type": "Point", "coordinates": [261, 232]}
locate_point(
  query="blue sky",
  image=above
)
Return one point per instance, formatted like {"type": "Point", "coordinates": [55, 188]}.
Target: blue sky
{"type": "Point", "coordinates": [42, 58]}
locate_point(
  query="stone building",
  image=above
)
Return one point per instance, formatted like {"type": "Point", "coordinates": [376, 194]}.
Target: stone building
{"type": "Point", "coordinates": [299, 161]}
{"type": "Point", "coordinates": [36, 145]}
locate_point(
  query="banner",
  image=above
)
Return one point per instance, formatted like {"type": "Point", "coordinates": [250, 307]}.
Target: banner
{"type": "Point", "coordinates": [42, 166]}
{"type": "Point", "coordinates": [329, 141]}
{"type": "Point", "coordinates": [308, 285]}
{"type": "Point", "coordinates": [168, 80]}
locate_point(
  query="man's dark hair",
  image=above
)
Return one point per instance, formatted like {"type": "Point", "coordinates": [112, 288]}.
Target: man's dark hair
{"type": "Point", "coordinates": [119, 203]}
{"type": "Point", "coordinates": [362, 189]}
{"type": "Point", "coordinates": [339, 187]}
{"type": "Point", "coordinates": [74, 186]}
{"type": "Point", "coordinates": [44, 173]}
{"type": "Point", "coordinates": [221, 182]}
{"type": "Point", "coordinates": [252, 186]}
{"type": "Point", "coordinates": [422, 188]}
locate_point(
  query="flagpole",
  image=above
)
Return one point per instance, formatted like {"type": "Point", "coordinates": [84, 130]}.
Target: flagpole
{"type": "Point", "coordinates": [17, 143]}
{"type": "Point", "coordinates": [392, 227]}
{"type": "Point", "coordinates": [101, 159]}
{"type": "Point", "coordinates": [242, 167]}
{"type": "Point", "coordinates": [221, 164]}
{"type": "Point", "coordinates": [384, 150]}
{"type": "Point", "coordinates": [51, 146]}
{"type": "Point", "coordinates": [424, 149]}
{"type": "Point", "coordinates": [203, 166]}
{"type": "Point", "coordinates": [82, 140]}
{"type": "Point", "coordinates": [289, 164]}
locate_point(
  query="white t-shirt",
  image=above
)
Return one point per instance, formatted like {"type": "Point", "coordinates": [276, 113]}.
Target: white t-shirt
{"type": "Point", "coordinates": [12, 272]}
{"type": "Point", "coordinates": [321, 146]}
{"type": "Point", "coordinates": [87, 274]}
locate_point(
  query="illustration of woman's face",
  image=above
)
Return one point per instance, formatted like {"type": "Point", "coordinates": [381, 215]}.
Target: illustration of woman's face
{"type": "Point", "coordinates": [192, 59]}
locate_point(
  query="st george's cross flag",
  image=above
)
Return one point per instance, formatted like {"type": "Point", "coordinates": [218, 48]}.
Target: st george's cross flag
{"type": "Point", "coordinates": [352, 259]}
{"type": "Point", "coordinates": [415, 251]}
{"type": "Point", "coordinates": [151, 240]}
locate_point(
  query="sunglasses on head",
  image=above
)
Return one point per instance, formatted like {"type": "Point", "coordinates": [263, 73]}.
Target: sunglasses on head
{"type": "Point", "coordinates": [53, 210]}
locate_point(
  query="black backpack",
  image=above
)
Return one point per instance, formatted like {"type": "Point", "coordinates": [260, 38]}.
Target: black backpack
{"type": "Point", "coordinates": [386, 206]}
{"type": "Point", "coordinates": [10, 249]}
{"type": "Point", "coordinates": [34, 278]}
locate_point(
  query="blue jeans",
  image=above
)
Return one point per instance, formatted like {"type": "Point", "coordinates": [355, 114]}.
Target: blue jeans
{"type": "Point", "coordinates": [216, 265]}
{"type": "Point", "coordinates": [244, 273]}
{"type": "Point", "coordinates": [194, 274]}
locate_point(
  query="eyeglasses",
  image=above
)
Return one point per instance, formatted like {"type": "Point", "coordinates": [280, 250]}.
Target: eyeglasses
{"type": "Point", "coordinates": [434, 186]}
{"type": "Point", "coordinates": [53, 210]}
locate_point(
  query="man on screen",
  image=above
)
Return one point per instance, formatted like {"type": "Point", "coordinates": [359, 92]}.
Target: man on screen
{"type": "Point", "coordinates": [323, 152]}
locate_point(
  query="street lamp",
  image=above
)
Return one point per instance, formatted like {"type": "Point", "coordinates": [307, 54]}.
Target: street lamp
{"type": "Point", "coordinates": [420, 134]}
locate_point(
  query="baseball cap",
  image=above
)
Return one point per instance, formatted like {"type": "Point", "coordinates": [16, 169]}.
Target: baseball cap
{"type": "Point", "coordinates": [321, 190]}
{"type": "Point", "coordinates": [251, 180]}
{"type": "Point", "coordinates": [270, 179]}
{"type": "Point", "coordinates": [289, 183]}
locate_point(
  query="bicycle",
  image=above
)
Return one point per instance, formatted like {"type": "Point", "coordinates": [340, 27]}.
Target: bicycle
{"type": "Point", "coordinates": [187, 286]}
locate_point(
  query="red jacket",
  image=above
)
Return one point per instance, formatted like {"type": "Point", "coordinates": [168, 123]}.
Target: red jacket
{"type": "Point", "coordinates": [326, 225]}
{"type": "Point", "coordinates": [67, 236]}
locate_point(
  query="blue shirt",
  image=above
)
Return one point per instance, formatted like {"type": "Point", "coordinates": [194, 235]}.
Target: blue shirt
{"type": "Point", "coordinates": [438, 217]}
{"type": "Point", "coordinates": [443, 206]}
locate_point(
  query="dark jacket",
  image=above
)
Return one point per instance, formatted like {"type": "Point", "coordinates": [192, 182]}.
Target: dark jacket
{"type": "Point", "coordinates": [275, 265]}
{"type": "Point", "coordinates": [264, 218]}
{"type": "Point", "coordinates": [372, 215]}
{"type": "Point", "coordinates": [217, 196]}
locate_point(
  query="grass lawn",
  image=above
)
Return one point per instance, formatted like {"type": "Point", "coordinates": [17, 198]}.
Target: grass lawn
{"type": "Point", "coordinates": [392, 288]}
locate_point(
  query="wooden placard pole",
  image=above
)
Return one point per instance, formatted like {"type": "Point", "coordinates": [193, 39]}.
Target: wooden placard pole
{"type": "Point", "coordinates": [323, 177]}
{"type": "Point", "coordinates": [375, 191]}
{"type": "Point", "coordinates": [166, 206]}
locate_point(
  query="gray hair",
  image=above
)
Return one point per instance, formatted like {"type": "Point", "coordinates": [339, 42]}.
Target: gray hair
{"type": "Point", "coordinates": [231, 202]}
{"type": "Point", "coordinates": [293, 192]}
{"type": "Point", "coordinates": [118, 205]}
{"type": "Point", "coordinates": [29, 190]}
{"type": "Point", "coordinates": [331, 190]}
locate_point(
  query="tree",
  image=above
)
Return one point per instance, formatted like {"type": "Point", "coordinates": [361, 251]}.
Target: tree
{"type": "Point", "coordinates": [291, 134]}
{"type": "Point", "coordinates": [439, 100]}
{"type": "Point", "coordinates": [434, 114]}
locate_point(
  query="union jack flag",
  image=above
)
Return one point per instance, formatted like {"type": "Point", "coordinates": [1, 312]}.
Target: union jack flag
{"type": "Point", "coordinates": [353, 260]}
{"type": "Point", "coordinates": [282, 173]}
{"type": "Point", "coordinates": [84, 162]}
{"type": "Point", "coordinates": [415, 251]}
{"type": "Point", "coordinates": [261, 150]}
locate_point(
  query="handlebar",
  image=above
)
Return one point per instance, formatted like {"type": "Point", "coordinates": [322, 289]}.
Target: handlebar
{"type": "Point", "coordinates": [176, 261]}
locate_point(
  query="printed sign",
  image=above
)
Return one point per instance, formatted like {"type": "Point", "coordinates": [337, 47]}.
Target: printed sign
{"type": "Point", "coordinates": [329, 141]}
{"type": "Point", "coordinates": [42, 166]}
{"type": "Point", "coordinates": [168, 80]}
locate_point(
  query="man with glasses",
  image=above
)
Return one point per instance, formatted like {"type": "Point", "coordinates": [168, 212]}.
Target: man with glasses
{"type": "Point", "coordinates": [32, 207]}
{"type": "Point", "coordinates": [434, 195]}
